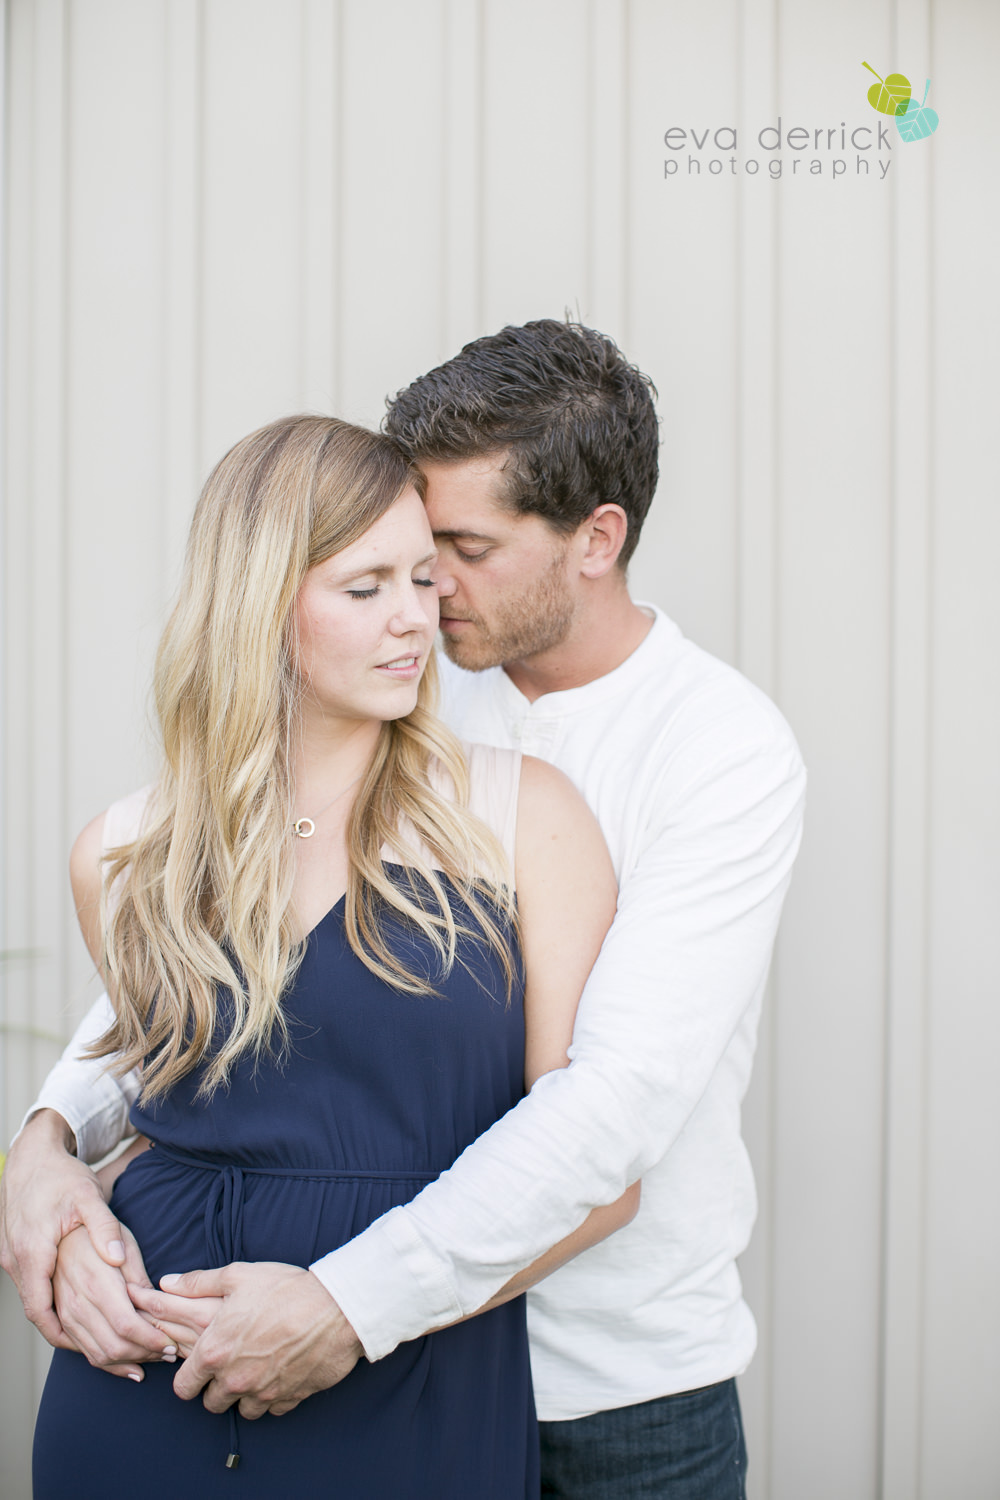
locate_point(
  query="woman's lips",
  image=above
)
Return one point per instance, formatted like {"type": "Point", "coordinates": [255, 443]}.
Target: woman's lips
{"type": "Point", "coordinates": [404, 667]}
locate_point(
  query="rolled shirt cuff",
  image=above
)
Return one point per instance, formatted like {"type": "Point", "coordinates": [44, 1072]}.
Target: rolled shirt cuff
{"type": "Point", "coordinates": [389, 1285]}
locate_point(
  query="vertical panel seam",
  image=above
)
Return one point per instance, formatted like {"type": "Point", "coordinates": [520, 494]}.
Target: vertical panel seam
{"type": "Point", "coordinates": [65, 39]}
{"type": "Point", "coordinates": [625, 282]}
{"type": "Point", "coordinates": [590, 156]}
{"type": "Point", "coordinates": [775, 667]}
{"type": "Point", "coordinates": [890, 820]}
{"type": "Point", "coordinates": [929, 681]}
{"type": "Point", "coordinates": [337, 299]}
{"type": "Point", "coordinates": [445, 268]}
{"type": "Point", "coordinates": [481, 117]}
{"type": "Point", "coordinates": [4, 543]}
{"type": "Point", "coordinates": [303, 185]}
{"type": "Point", "coordinates": [198, 372]}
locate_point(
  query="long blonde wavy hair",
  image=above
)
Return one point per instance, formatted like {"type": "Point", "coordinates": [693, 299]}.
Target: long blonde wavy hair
{"type": "Point", "coordinates": [202, 899]}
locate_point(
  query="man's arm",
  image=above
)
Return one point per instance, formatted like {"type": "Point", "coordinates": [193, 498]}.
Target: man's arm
{"type": "Point", "coordinates": [48, 1192]}
{"type": "Point", "coordinates": [688, 952]}
{"type": "Point", "coordinates": [92, 1101]}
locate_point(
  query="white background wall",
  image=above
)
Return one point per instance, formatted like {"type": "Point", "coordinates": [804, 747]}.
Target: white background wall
{"type": "Point", "coordinates": [217, 211]}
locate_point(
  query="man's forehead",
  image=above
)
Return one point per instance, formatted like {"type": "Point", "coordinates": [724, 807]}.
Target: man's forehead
{"type": "Point", "coordinates": [465, 498]}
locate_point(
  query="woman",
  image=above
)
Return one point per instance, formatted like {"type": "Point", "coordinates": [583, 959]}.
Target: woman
{"type": "Point", "coordinates": [309, 933]}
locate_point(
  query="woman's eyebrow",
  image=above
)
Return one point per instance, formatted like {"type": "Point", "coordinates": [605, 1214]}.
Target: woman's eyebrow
{"type": "Point", "coordinates": [380, 570]}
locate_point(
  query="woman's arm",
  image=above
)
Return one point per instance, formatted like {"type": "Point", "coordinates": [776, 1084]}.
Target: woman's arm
{"type": "Point", "coordinates": [85, 878]}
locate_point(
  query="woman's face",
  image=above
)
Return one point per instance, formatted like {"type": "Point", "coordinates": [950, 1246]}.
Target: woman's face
{"type": "Point", "coordinates": [367, 618]}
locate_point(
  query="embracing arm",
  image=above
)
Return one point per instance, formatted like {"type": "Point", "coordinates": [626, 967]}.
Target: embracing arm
{"type": "Point", "coordinates": [688, 953]}
{"type": "Point", "coordinates": [48, 1193]}
{"type": "Point", "coordinates": [566, 894]}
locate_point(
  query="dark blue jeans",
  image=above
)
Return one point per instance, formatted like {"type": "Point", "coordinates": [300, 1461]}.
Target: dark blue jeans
{"type": "Point", "coordinates": [686, 1447]}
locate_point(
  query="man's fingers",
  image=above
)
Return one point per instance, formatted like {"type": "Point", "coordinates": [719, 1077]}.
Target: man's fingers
{"type": "Point", "coordinates": [197, 1283]}
{"type": "Point", "coordinates": [252, 1408]}
{"type": "Point", "coordinates": [50, 1328]}
{"type": "Point", "coordinates": [36, 1297]}
{"type": "Point", "coordinates": [192, 1377]}
{"type": "Point", "coordinates": [133, 1267]}
{"type": "Point", "coordinates": [106, 1234]}
{"type": "Point", "coordinates": [280, 1408]}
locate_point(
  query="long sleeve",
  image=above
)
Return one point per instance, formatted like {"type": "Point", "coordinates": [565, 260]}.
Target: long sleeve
{"type": "Point", "coordinates": [684, 962]}
{"type": "Point", "coordinates": [93, 1102]}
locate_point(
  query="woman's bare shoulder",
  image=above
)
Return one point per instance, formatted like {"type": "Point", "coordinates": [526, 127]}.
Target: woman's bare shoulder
{"type": "Point", "coordinates": [555, 827]}
{"type": "Point", "coordinates": [118, 824]}
{"type": "Point", "coordinates": [85, 862]}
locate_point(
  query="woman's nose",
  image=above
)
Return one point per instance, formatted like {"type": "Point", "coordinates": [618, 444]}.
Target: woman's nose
{"type": "Point", "coordinates": [417, 611]}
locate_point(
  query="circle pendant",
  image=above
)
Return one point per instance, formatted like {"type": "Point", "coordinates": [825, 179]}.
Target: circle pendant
{"type": "Point", "coordinates": [304, 827]}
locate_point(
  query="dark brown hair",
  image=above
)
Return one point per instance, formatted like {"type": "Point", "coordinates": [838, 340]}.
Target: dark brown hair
{"type": "Point", "coordinates": [576, 420]}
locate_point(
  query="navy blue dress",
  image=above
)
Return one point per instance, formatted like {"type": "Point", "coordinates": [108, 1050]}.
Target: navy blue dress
{"type": "Point", "coordinates": [379, 1093]}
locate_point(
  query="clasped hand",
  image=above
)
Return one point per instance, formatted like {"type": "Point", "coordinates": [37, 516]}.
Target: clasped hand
{"type": "Point", "coordinates": [265, 1335]}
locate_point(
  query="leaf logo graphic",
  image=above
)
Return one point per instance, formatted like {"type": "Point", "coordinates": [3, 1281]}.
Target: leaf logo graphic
{"type": "Point", "coordinates": [917, 121]}
{"type": "Point", "coordinates": [891, 95]}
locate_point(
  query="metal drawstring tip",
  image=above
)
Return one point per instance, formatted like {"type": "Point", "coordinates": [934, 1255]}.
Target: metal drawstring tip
{"type": "Point", "coordinates": [233, 1461]}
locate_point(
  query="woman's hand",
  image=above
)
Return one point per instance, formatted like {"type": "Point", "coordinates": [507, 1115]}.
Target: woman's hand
{"type": "Point", "coordinates": [92, 1302]}
{"type": "Point", "coordinates": [181, 1319]}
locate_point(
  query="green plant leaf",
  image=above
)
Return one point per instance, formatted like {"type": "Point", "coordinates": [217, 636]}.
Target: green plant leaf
{"type": "Point", "coordinates": [891, 94]}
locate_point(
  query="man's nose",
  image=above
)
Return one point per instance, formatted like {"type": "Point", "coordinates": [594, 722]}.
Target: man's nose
{"type": "Point", "coordinates": [444, 579]}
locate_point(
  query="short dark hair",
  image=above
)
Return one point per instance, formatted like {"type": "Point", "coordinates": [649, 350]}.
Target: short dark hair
{"type": "Point", "coordinates": [576, 418]}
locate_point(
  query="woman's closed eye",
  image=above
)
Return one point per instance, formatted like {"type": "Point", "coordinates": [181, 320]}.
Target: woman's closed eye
{"type": "Point", "coordinates": [422, 583]}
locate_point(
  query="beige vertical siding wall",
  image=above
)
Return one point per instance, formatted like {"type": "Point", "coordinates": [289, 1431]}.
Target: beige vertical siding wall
{"type": "Point", "coordinates": [220, 210]}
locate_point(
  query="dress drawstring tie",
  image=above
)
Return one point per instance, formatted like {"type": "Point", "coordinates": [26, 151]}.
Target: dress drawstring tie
{"type": "Point", "coordinates": [224, 1237]}
{"type": "Point", "coordinates": [224, 1214]}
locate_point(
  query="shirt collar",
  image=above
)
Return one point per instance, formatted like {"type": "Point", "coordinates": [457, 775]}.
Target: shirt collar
{"type": "Point", "coordinates": [651, 655]}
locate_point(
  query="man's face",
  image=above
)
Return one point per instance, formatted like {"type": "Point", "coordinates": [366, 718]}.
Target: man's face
{"type": "Point", "coordinates": [504, 579]}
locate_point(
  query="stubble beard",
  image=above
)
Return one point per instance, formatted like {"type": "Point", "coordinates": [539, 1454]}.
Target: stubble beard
{"type": "Point", "coordinates": [536, 620]}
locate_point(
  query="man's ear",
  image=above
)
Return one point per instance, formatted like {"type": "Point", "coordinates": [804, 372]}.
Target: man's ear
{"type": "Point", "coordinates": [603, 534]}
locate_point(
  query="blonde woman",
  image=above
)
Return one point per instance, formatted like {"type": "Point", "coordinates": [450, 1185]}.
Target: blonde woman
{"type": "Point", "coordinates": [308, 929]}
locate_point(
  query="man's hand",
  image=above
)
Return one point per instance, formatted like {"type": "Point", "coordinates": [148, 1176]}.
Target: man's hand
{"type": "Point", "coordinates": [45, 1195]}
{"type": "Point", "coordinates": [278, 1338]}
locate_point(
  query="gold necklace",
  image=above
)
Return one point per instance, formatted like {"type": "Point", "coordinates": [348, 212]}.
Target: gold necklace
{"type": "Point", "coordinates": [304, 828]}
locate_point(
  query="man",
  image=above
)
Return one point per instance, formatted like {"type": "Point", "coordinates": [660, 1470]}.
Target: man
{"type": "Point", "coordinates": [538, 449]}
